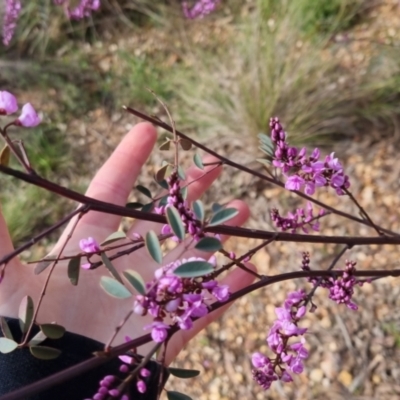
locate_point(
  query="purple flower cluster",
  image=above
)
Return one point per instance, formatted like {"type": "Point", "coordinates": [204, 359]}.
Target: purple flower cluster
{"type": "Point", "coordinates": [200, 9]}
{"type": "Point", "coordinates": [175, 198]}
{"type": "Point", "coordinates": [12, 10]}
{"type": "Point", "coordinates": [179, 299]}
{"type": "Point", "coordinates": [88, 246]}
{"type": "Point", "coordinates": [299, 219]}
{"type": "Point", "coordinates": [109, 385]}
{"type": "Point", "coordinates": [9, 105]}
{"type": "Point", "coordinates": [306, 171]}
{"type": "Point", "coordinates": [81, 10]}
{"type": "Point", "coordinates": [341, 288]}
{"type": "Point", "coordinates": [289, 356]}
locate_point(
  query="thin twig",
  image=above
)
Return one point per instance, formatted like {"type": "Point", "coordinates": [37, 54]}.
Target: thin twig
{"type": "Point", "coordinates": [43, 292]}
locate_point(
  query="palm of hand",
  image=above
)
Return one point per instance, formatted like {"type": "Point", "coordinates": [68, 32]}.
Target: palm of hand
{"type": "Point", "coordinates": [86, 309]}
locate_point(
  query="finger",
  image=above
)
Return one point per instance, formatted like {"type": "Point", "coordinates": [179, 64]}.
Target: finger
{"type": "Point", "coordinates": [6, 246]}
{"type": "Point", "coordinates": [201, 181]}
{"type": "Point", "coordinates": [114, 181]}
{"type": "Point", "coordinates": [181, 251]}
{"type": "Point", "coordinates": [236, 280]}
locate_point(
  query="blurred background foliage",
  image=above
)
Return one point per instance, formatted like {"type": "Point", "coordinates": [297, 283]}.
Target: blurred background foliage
{"type": "Point", "coordinates": [305, 61]}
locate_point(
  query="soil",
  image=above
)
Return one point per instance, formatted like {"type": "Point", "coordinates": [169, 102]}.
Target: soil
{"type": "Point", "coordinates": [353, 354]}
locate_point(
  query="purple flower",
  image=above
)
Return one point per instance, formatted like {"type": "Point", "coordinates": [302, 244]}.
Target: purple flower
{"type": "Point", "coordinates": [12, 10]}
{"type": "Point", "coordinates": [8, 103]}
{"type": "Point", "coordinates": [200, 9]}
{"type": "Point", "coordinates": [141, 386]}
{"type": "Point", "coordinates": [89, 245]}
{"type": "Point", "coordinates": [294, 182]}
{"type": "Point", "coordinates": [83, 9]}
{"type": "Point", "coordinates": [28, 117]}
{"type": "Point", "coordinates": [158, 331]}
{"type": "Point", "coordinates": [221, 292]}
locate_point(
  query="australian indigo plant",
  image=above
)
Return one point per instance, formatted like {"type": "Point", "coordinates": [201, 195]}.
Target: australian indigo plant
{"type": "Point", "coordinates": [183, 290]}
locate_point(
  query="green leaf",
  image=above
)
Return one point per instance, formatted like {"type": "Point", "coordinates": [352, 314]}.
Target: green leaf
{"type": "Point", "coordinates": [7, 345]}
{"type": "Point", "coordinates": [153, 247]}
{"type": "Point", "coordinates": [74, 268]}
{"type": "Point", "coordinates": [181, 173]}
{"type": "Point", "coordinates": [25, 313]}
{"type": "Point", "coordinates": [135, 279]}
{"type": "Point", "coordinates": [264, 161]}
{"type": "Point", "coordinates": [163, 184]}
{"type": "Point", "coordinates": [148, 207]}
{"type": "Point", "coordinates": [186, 144]}
{"type": "Point", "coordinates": [193, 269]}
{"type": "Point", "coordinates": [43, 264]}
{"type": "Point", "coordinates": [44, 352]}
{"type": "Point", "coordinates": [215, 207]}
{"type": "Point", "coordinates": [172, 395]}
{"type": "Point", "coordinates": [198, 209]}
{"type": "Point", "coordinates": [37, 339]}
{"type": "Point", "coordinates": [183, 373]}
{"type": "Point", "coordinates": [52, 331]}
{"type": "Point", "coordinates": [114, 288]}
{"type": "Point", "coordinates": [222, 216]}
{"type": "Point", "coordinates": [209, 244]}
{"type": "Point", "coordinates": [118, 235]}
{"type": "Point", "coordinates": [184, 192]}
{"type": "Point", "coordinates": [160, 174]}
{"type": "Point", "coordinates": [5, 328]}
{"type": "Point", "coordinates": [175, 222]}
{"type": "Point", "coordinates": [144, 191]}
{"type": "Point", "coordinates": [108, 264]}
{"type": "Point", "coordinates": [134, 205]}
{"type": "Point", "coordinates": [198, 162]}
{"type": "Point", "coordinates": [166, 145]}
{"type": "Point", "coordinates": [163, 201]}
{"type": "Point", "coordinates": [5, 156]}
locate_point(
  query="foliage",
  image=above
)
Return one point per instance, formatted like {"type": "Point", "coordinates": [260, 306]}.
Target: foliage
{"type": "Point", "coordinates": [271, 68]}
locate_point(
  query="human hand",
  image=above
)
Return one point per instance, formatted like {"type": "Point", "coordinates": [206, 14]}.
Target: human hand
{"type": "Point", "coordinates": [85, 309]}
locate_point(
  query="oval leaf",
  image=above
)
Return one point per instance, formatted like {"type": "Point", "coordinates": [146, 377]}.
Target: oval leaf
{"type": "Point", "coordinates": [144, 191]}
{"type": "Point", "coordinates": [184, 192]}
{"type": "Point", "coordinates": [198, 162]}
{"type": "Point", "coordinates": [198, 209]}
{"type": "Point", "coordinates": [108, 264]}
{"type": "Point", "coordinates": [37, 339]}
{"type": "Point", "coordinates": [43, 264]}
{"type": "Point", "coordinates": [166, 145]}
{"type": "Point", "coordinates": [5, 156]}
{"type": "Point", "coordinates": [134, 205]}
{"type": "Point", "coordinates": [5, 328]}
{"type": "Point", "coordinates": [52, 331]}
{"type": "Point", "coordinates": [74, 268]}
{"type": "Point", "coordinates": [118, 235]}
{"type": "Point", "coordinates": [44, 352]}
{"type": "Point", "coordinates": [163, 201]}
{"type": "Point", "coordinates": [222, 216]}
{"type": "Point", "coordinates": [25, 313]}
{"type": "Point", "coordinates": [184, 373]}
{"type": "Point", "coordinates": [160, 174]}
{"type": "Point", "coordinates": [193, 269]}
{"type": "Point", "coordinates": [215, 207]}
{"type": "Point", "coordinates": [135, 280]}
{"type": "Point", "coordinates": [175, 222]}
{"type": "Point", "coordinates": [210, 244]}
{"type": "Point", "coordinates": [148, 207]}
{"type": "Point", "coordinates": [181, 173]}
{"type": "Point", "coordinates": [163, 184]}
{"type": "Point", "coordinates": [153, 247]}
{"type": "Point", "coordinates": [114, 288]}
{"type": "Point", "coordinates": [7, 345]}
{"type": "Point", "coordinates": [172, 395]}
{"type": "Point", "coordinates": [186, 144]}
